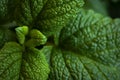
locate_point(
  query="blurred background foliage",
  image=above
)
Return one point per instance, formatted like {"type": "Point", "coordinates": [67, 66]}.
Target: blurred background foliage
{"type": "Point", "coordinates": [106, 7]}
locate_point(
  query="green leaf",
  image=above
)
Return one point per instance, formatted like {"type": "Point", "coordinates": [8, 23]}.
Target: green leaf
{"type": "Point", "coordinates": [37, 39]}
{"type": "Point", "coordinates": [34, 65]}
{"type": "Point", "coordinates": [67, 65]}
{"type": "Point", "coordinates": [96, 39]}
{"type": "Point", "coordinates": [87, 48]}
{"type": "Point", "coordinates": [27, 11]}
{"type": "Point", "coordinates": [19, 64]}
{"type": "Point", "coordinates": [10, 61]}
{"type": "Point", "coordinates": [93, 36]}
{"type": "Point", "coordinates": [7, 8]}
{"type": "Point", "coordinates": [6, 35]}
{"type": "Point", "coordinates": [21, 33]}
{"type": "Point", "coordinates": [48, 16]}
{"type": "Point", "coordinates": [56, 13]}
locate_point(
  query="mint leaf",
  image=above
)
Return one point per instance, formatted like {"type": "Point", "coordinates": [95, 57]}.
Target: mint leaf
{"type": "Point", "coordinates": [67, 65]}
{"type": "Point", "coordinates": [37, 39]}
{"type": "Point", "coordinates": [48, 16]}
{"type": "Point", "coordinates": [7, 8]}
{"type": "Point", "coordinates": [87, 48]}
{"type": "Point", "coordinates": [6, 35]}
{"type": "Point", "coordinates": [18, 64]}
{"type": "Point", "coordinates": [34, 65]}
{"type": "Point", "coordinates": [93, 36]}
{"type": "Point", "coordinates": [21, 33]}
{"type": "Point", "coordinates": [56, 13]}
{"type": "Point", "coordinates": [10, 61]}
{"type": "Point", "coordinates": [27, 11]}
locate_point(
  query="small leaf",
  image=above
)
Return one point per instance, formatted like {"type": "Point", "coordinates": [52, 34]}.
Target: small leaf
{"type": "Point", "coordinates": [21, 33]}
{"type": "Point", "coordinates": [37, 38]}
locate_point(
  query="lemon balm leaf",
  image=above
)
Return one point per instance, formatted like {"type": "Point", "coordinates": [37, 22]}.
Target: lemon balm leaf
{"type": "Point", "coordinates": [17, 63]}
{"type": "Point", "coordinates": [21, 33]}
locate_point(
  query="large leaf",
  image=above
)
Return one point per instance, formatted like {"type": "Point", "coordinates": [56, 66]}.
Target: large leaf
{"type": "Point", "coordinates": [67, 65]}
{"type": "Point", "coordinates": [10, 61]}
{"type": "Point", "coordinates": [95, 40]}
{"type": "Point", "coordinates": [56, 13]}
{"type": "Point", "coordinates": [93, 36]}
{"type": "Point", "coordinates": [47, 15]}
{"type": "Point", "coordinates": [16, 64]}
